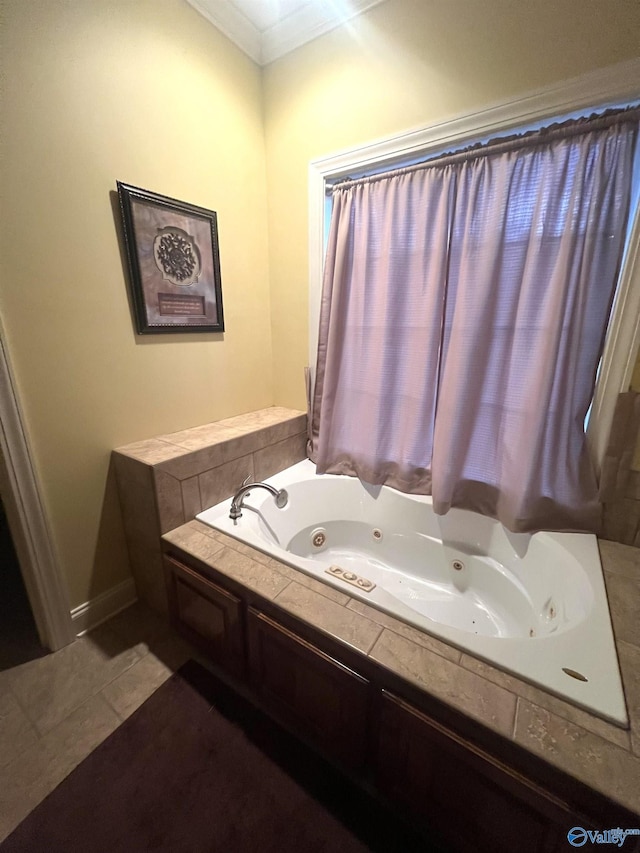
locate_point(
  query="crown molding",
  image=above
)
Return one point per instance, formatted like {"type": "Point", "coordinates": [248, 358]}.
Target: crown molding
{"type": "Point", "coordinates": [296, 29]}
{"type": "Point", "coordinates": [236, 26]}
{"type": "Point", "coordinates": [308, 23]}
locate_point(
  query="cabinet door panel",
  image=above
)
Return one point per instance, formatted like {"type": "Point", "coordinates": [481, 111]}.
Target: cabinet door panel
{"type": "Point", "coordinates": [208, 615]}
{"type": "Point", "coordinates": [320, 697]}
{"type": "Point", "coordinates": [473, 800]}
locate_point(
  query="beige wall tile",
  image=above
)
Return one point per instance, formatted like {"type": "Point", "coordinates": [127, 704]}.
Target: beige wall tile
{"type": "Point", "coordinates": [546, 700]}
{"type": "Point", "coordinates": [621, 521]}
{"type": "Point", "coordinates": [222, 482]}
{"type": "Point", "coordinates": [196, 462]}
{"type": "Point", "coordinates": [246, 550]}
{"type": "Point", "coordinates": [191, 502]}
{"type": "Point", "coordinates": [191, 540]}
{"type": "Point", "coordinates": [205, 529]}
{"type": "Point", "coordinates": [148, 574]}
{"type": "Point", "coordinates": [152, 590]}
{"type": "Point", "coordinates": [619, 559]}
{"type": "Point", "coordinates": [632, 489]}
{"type": "Point", "coordinates": [252, 574]}
{"type": "Point", "coordinates": [282, 569]}
{"type": "Point", "coordinates": [335, 619]}
{"type": "Point", "coordinates": [629, 657]}
{"type": "Point", "coordinates": [151, 451]}
{"type": "Point", "coordinates": [624, 595]}
{"type": "Point", "coordinates": [214, 447]}
{"type": "Point", "coordinates": [279, 419]}
{"type": "Point", "coordinates": [201, 436]}
{"type": "Point", "coordinates": [490, 704]}
{"type": "Point", "coordinates": [276, 457]}
{"type": "Point", "coordinates": [138, 503]}
{"type": "Point", "coordinates": [131, 472]}
{"type": "Point", "coordinates": [594, 760]}
{"type": "Point", "coordinates": [312, 583]}
{"type": "Point", "coordinates": [168, 500]}
{"type": "Point", "coordinates": [405, 630]}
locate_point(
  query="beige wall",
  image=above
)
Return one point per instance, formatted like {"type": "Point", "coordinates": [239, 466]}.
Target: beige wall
{"type": "Point", "coordinates": [404, 64]}
{"type": "Point", "coordinates": [146, 92]}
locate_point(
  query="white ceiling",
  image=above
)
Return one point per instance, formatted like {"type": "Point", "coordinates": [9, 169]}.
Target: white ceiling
{"type": "Point", "coordinates": [267, 29]}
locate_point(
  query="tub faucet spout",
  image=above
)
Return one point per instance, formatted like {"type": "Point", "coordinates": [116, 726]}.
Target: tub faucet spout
{"type": "Point", "coordinates": [280, 495]}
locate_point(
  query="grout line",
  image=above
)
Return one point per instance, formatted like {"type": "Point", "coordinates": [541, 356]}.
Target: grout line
{"type": "Point", "coordinates": [23, 707]}
{"type": "Point", "coordinates": [199, 493]}
{"type": "Point", "coordinates": [373, 644]}
{"type": "Point", "coordinates": [289, 582]}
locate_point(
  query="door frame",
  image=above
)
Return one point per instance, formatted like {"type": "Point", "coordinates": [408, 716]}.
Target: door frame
{"type": "Point", "coordinates": [27, 519]}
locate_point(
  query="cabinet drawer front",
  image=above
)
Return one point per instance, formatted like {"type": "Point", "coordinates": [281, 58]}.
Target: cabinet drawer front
{"type": "Point", "coordinates": [320, 697]}
{"type": "Point", "coordinates": [472, 799]}
{"type": "Point", "coordinates": [208, 615]}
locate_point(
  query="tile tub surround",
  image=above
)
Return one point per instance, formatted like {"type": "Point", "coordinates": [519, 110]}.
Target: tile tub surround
{"type": "Point", "coordinates": [165, 481]}
{"type": "Point", "coordinates": [599, 754]}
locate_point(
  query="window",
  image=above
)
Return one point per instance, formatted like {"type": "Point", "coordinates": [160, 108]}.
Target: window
{"type": "Point", "coordinates": [508, 220]}
{"type": "Point", "coordinates": [606, 88]}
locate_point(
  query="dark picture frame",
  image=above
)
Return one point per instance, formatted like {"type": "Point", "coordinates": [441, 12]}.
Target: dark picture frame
{"type": "Point", "coordinates": [174, 263]}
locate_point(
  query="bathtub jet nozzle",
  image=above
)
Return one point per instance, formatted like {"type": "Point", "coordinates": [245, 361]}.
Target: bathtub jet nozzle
{"type": "Point", "coordinates": [280, 495]}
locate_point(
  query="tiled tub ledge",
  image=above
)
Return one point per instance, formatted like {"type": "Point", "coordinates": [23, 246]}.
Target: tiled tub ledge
{"type": "Point", "coordinates": [165, 481]}
{"type": "Point", "coordinates": [597, 753]}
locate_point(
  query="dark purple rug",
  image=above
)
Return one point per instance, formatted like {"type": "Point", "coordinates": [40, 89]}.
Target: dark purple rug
{"type": "Point", "coordinates": [197, 768]}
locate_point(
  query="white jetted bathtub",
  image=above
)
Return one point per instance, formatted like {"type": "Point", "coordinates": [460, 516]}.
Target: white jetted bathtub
{"type": "Point", "coordinates": [534, 605]}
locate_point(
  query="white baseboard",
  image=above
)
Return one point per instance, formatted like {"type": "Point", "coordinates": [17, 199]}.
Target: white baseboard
{"type": "Point", "coordinates": [92, 613]}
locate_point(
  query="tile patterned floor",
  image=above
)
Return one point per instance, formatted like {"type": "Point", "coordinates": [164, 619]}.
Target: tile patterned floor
{"type": "Point", "coordinates": [56, 709]}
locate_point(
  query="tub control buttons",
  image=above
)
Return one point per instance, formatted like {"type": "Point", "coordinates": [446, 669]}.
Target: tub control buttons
{"type": "Point", "coordinates": [350, 577]}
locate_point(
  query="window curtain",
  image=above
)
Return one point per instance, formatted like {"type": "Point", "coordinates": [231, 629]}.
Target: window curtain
{"type": "Point", "coordinates": [380, 338]}
{"type": "Point", "coordinates": [463, 315]}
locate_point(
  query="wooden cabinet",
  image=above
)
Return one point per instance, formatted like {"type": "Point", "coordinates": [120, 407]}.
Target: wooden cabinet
{"type": "Point", "coordinates": [473, 800]}
{"type": "Point", "coordinates": [207, 615]}
{"type": "Point", "coordinates": [453, 784]}
{"type": "Point", "coordinates": [320, 697]}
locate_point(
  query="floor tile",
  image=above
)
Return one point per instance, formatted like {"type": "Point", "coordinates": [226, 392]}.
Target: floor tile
{"type": "Point", "coordinates": [27, 780]}
{"type": "Point", "coordinates": [16, 731]}
{"type": "Point", "coordinates": [50, 688]}
{"type": "Point", "coordinates": [139, 624]}
{"type": "Point", "coordinates": [128, 691]}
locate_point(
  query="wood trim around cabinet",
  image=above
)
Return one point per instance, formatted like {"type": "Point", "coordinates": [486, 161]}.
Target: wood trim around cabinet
{"type": "Point", "coordinates": [209, 616]}
{"type": "Point", "coordinates": [318, 695]}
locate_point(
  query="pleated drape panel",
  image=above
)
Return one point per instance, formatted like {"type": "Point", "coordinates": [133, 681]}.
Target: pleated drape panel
{"type": "Point", "coordinates": [463, 315]}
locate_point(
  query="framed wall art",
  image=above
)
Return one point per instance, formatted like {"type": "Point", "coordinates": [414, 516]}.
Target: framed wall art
{"type": "Point", "coordinates": [174, 263]}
